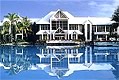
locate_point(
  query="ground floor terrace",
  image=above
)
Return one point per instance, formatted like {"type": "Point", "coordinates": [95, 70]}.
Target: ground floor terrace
{"type": "Point", "coordinates": [74, 36]}
{"type": "Point", "coordinates": [60, 37]}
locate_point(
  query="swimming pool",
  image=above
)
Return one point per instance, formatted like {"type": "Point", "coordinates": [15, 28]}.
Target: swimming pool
{"type": "Point", "coordinates": [59, 62]}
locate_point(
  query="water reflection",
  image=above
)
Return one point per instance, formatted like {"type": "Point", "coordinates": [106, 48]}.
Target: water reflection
{"type": "Point", "coordinates": [59, 61]}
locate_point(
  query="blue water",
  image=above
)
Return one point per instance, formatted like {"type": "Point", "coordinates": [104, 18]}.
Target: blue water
{"type": "Point", "coordinates": [59, 63]}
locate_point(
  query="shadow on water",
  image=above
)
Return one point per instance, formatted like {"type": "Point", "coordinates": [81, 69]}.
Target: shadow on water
{"type": "Point", "coordinates": [59, 62]}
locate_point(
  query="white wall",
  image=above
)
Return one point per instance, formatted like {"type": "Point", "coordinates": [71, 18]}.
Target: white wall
{"type": "Point", "coordinates": [118, 30]}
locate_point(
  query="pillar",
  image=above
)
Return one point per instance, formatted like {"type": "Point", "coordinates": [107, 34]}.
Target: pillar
{"type": "Point", "coordinates": [106, 37]}
{"type": "Point", "coordinates": [71, 36]}
{"type": "Point", "coordinates": [47, 37]}
{"type": "Point", "coordinates": [97, 36]}
{"type": "Point", "coordinates": [53, 36]}
{"type": "Point", "coordinates": [90, 32]}
{"type": "Point", "coordinates": [85, 26]}
{"type": "Point", "coordinates": [76, 36]}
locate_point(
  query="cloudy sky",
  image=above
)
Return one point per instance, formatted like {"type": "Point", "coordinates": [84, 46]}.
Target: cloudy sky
{"type": "Point", "coordinates": [39, 8]}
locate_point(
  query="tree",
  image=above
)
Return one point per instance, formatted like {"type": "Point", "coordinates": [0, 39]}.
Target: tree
{"type": "Point", "coordinates": [13, 17]}
{"type": "Point", "coordinates": [5, 30]}
{"type": "Point", "coordinates": [115, 18]}
{"type": "Point", "coordinates": [24, 26]}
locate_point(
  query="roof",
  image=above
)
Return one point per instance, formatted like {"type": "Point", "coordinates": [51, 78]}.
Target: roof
{"type": "Point", "coordinates": [46, 19]}
{"type": "Point", "coordinates": [43, 31]}
{"type": "Point", "coordinates": [76, 20]}
{"type": "Point", "coordinates": [74, 31]}
{"type": "Point", "coordinates": [71, 19]}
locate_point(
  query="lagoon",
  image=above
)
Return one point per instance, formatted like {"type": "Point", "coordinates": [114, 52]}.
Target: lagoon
{"type": "Point", "coordinates": [35, 62]}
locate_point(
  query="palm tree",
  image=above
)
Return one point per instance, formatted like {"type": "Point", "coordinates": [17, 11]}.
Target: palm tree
{"type": "Point", "coordinates": [5, 30]}
{"type": "Point", "coordinates": [25, 26]}
{"type": "Point", "coordinates": [13, 17]}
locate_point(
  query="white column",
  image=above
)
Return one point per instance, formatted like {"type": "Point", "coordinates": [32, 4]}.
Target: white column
{"type": "Point", "coordinates": [71, 36]}
{"type": "Point", "coordinates": [85, 26]}
{"type": "Point", "coordinates": [76, 36]}
{"type": "Point", "coordinates": [68, 32]}
{"type": "Point", "coordinates": [106, 37]}
{"type": "Point", "coordinates": [65, 36]}
{"type": "Point", "coordinates": [39, 27]}
{"type": "Point", "coordinates": [47, 37]}
{"type": "Point", "coordinates": [22, 34]}
{"type": "Point", "coordinates": [97, 36]}
{"type": "Point", "coordinates": [53, 36]}
{"type": "Point", "coordinates": [90, 32]}
{"type": "Point", "coordinates": [77, 51]}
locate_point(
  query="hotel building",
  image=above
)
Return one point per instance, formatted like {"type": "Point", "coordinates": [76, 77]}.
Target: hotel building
{"type": "Point", "coordinates": [61, 25]}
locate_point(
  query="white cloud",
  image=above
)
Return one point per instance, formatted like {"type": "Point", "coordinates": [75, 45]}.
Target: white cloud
{"type": "Point", "coordinates": [92, 3]}
{"type": "Point", "coordinates": [105, 9]}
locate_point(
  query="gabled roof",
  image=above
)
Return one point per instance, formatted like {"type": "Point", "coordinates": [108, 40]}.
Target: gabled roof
{"type": "Point", "coordinates": [76, 20]}
{"type": "Point", "coordinates": [46, 19]}
{"type": "Point", "coordinates": [92, 20]}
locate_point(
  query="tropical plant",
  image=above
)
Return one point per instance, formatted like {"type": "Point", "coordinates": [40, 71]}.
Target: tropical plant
{"type": "Point", "coordinates": [115, 18]}
{"type": "Point", "coordinates": [25, 26]}
{"type": "Point", "coordinates": [13, 17]}
{"type": "Point", "coordinates": [5, 30]}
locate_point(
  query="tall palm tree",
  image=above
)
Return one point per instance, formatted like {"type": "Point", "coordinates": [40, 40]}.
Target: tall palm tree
{"type": "Point", "coordinates": [5, 30]}
{"type": "Point", "coordinates": [25, 26]}
{"type": "Point", "coordinates": [13, 17]}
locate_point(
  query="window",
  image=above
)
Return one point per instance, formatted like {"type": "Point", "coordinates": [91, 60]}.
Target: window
{"type": "Point", "coordinates": [108, 28]}
{"type": "Point", "coordinates": [94, 28]}
{"type": "Point", "coordinates": [73, 27]}
{"type": "Point", "coordinates": [60, 14]}
{"type": "Point", "coordinates": [100, 28]}
{"type": "Point", "coordinates": [45, 27]}
{"type": "Point", "coordinates": [62, 24]}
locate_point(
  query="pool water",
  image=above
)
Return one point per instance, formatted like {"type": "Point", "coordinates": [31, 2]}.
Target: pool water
{"type": "Point", "coordinates": [59, 63]}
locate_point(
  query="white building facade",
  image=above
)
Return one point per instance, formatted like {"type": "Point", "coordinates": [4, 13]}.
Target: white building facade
{"type": "Point", "coordinates": [61, 25]}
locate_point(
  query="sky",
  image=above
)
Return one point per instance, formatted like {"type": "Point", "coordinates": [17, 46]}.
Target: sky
{"type": "Point", "coordinates": [40, 8]}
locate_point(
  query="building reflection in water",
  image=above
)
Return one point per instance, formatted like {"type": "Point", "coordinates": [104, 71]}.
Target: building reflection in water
{"type": "Point", "coordinates": [59, 61]}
